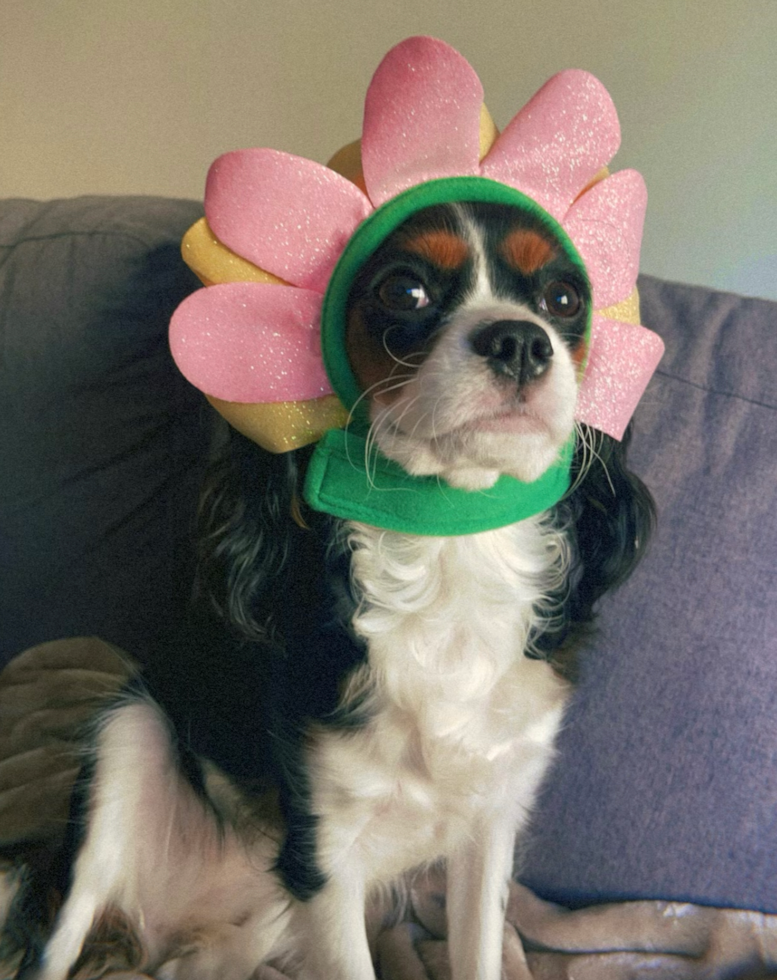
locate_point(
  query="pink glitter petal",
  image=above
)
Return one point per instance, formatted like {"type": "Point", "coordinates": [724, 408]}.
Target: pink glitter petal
{"type": "Point", "coordinates": [606, 226]}
{"type": "Point", "coordinates": [251, 342]}
{"type": "Point", "coordinates": [421, 118]}
{"type": "Point", "coordinates": [560, 139]}
{"type": "Point", "coordinates": [621, 361]}
{"type": "Point", "coordinates": [290, 216]}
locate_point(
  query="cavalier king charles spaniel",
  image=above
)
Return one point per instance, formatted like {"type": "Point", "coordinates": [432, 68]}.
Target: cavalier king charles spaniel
{"type": "Point", "coordinates": [350, 704]}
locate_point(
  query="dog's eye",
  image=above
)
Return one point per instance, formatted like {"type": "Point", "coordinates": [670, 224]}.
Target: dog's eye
{"type": "Point", "coordinates": [403, 293]}
{"type": "Point", "coordinates": [561, 299]}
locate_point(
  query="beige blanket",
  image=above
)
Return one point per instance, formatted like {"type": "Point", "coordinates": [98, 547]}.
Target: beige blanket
{"type": "Point", "coordinates": [47, 693]}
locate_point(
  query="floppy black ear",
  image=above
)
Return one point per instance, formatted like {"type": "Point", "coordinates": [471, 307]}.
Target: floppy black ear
{"type": "Point", "coordinates": [614, 516]}
{"type": "Point", "coordinates": [246, 533]}
{"type": "Point", "coordinates": [610, 515]}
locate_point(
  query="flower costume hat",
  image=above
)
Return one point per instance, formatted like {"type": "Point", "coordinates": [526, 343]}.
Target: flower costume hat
{"type": "Point", "coordinates": [283, 238]}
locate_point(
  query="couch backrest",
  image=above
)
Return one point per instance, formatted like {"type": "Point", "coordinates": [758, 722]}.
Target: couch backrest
{"type": "Point", "coordinates": [667, 777]}
{"type": "Point", "coordinates": [101, 440]}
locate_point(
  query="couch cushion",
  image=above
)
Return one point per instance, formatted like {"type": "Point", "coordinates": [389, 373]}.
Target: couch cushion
{"type": "Point", "coordinates": [666, 781]}
{"type": "Point", "coordinates": [101, 438]}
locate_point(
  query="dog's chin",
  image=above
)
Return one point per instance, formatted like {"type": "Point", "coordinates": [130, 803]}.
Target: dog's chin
{"type": "Point", "coordinates": [473, 457]}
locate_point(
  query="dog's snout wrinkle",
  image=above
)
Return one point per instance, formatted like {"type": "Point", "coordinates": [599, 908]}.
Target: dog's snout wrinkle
{"type": "Point", "coordinates": [519, 349]}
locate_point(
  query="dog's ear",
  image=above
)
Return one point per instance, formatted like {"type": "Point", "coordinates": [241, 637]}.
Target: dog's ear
{"type": "Point", "coordinates": [245, 532]}
{"type": "Point", "coordinates": [610, 516]}
{"type": "Point", "coordinates": [613, 513]}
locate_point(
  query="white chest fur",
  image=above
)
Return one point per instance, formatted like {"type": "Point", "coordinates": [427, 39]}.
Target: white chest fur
{"type": "Point", "coordinates": [461, 721]}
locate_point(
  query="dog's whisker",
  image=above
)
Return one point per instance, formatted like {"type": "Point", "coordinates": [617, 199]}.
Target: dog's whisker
{"type": "Point", "coordinates": [406, 409]}
{"type": "Point", "coordinates": [590, 440]}
{"type": "Point", "coordinates": [418, 355]}
{"type": "Point", "coordinates": [370, 452]}
{"type": "Point", "coordinates": [383, 386]}
{"type": "Point", "coordinates": [384, 422]}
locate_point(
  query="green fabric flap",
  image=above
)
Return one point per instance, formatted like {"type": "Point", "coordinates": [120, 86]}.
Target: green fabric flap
{"type": "Point", "coordinates": [338, 484]}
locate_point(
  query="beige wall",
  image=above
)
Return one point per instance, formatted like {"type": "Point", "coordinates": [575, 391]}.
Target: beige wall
{"type": "Point", "coordinates": [119, 97]}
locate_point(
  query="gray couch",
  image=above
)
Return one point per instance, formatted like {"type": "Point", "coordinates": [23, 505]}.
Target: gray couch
{"type": "Point", "coordinates": [666, 779]}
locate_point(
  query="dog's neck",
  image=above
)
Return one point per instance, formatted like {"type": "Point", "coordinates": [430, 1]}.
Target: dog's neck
{"type": "Point", "coordinates": [446, 620]}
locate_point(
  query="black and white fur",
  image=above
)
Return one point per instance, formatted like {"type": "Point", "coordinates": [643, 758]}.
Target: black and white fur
{"type": "Point", "coordinates": [350, 704]}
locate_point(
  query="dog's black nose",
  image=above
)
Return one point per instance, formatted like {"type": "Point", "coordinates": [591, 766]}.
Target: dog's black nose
{"type": "Point", "coordinates": [519, 349]}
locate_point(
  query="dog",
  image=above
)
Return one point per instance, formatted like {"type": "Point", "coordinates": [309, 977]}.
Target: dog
{"type": "Point", "coordinates": [350, 704]}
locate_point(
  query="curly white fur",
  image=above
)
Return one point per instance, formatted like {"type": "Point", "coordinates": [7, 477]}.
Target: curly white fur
{"type": "Point", "coordinates": [461, 731]}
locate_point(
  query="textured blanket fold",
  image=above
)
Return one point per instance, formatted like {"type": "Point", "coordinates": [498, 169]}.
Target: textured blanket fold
{"type": "Point", "coordinates": [49, 694]}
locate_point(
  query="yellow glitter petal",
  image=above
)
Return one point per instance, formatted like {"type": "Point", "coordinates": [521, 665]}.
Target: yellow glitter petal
{"type": "Point", "coordinates": [597, 177]}
{"type": "Point", "coordinates": [488, 131]}
{"type": "Point", "coordinates": [348, 163]}
{"type": "Point", "coordinates": [280, 427]}
{"type": "Point", "coordinates": [213, 262]}
{"type": "Point", "coordinates": [627, 310]}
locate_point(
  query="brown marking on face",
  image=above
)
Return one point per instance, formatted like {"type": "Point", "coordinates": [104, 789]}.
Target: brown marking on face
{"type": "Point", "coordinates": [527, 250]}
{"type": "Point", "coordinates": [445, 249]}
{"type": "Point", "coordinates": [579, 352]}
{"type": "Point", "coordinates": [373, 366]}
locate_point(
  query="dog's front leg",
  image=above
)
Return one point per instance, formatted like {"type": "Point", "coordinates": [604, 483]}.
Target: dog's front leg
{"type": "Point", "coordinates": [478, 877]}
{"type": "Point", "coordinates": [335, 937]}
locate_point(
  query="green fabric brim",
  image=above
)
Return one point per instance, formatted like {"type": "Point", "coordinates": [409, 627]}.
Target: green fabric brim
{"type": "Point", "coordinates": [338, 483]}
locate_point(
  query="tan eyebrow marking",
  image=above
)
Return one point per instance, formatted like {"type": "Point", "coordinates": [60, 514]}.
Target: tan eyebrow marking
{"type": "Point", "coordinates": [579, 352]}
{"type": "Point", "coordinates": [527, 250]}
{"type": "Point", "coordinates": [443, 248]}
